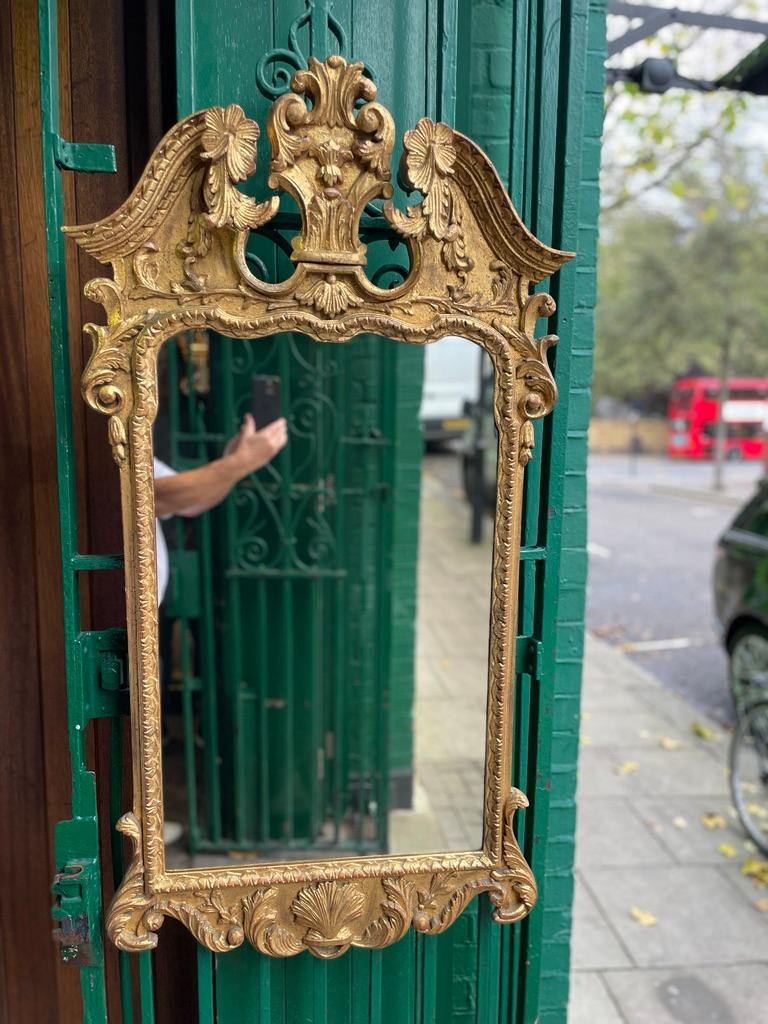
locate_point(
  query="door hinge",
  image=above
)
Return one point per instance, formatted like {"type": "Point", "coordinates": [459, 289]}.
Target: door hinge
{"type": "Point", "coordinates": [528, 656]}
{"type": "Point", "coordinates": [92, 157]}
{"type": "Point", "coordinates": [74, 891]}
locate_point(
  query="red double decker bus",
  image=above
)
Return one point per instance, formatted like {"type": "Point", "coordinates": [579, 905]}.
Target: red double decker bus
{"type": "Point", "coordinates": [692, 416]}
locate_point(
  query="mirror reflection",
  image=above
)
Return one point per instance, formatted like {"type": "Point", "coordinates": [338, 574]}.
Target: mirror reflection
{"type": "Point", "coordinates": [324, 569]}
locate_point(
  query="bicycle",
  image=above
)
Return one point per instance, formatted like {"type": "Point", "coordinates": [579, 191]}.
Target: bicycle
{"type": "Point", "coordinates": [748, 761]}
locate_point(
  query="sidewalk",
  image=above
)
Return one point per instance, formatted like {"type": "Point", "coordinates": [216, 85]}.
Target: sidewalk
{"type": "Point", "coordinates": [676, 478]}
{"type": "Point", "coordinates": [645, 780]}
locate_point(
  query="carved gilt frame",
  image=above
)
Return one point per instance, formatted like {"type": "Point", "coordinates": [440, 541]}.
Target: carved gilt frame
{"type": "Point", "coordinates": [177, 249]}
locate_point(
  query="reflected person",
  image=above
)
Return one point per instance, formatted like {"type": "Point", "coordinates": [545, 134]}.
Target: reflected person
{"type": "Point", "coordinates": [194, 491]}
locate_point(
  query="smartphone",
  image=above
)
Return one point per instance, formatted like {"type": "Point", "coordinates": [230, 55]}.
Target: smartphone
{"type": "Point", "coordinates": [265, 400]}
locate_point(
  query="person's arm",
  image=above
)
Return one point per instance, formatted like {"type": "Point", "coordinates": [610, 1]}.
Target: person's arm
{"type": "Point", "coordinates": [197, 490]}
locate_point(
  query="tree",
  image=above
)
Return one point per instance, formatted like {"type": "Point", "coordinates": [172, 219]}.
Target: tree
{"type": "Point", "coordinates": [674, 285]}
{"type": "Point", "coordinates": [650, 138]}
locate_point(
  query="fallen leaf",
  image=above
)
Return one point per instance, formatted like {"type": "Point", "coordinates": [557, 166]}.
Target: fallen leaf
{"type": "Point", "coordinates": [749, 787]}
{"type": "Point", "coordinates": [757, 870]}
{"type": "Point", "coordinates": [585, 740]}
{"type": "Point", "coordinates": [727, 850]}
{"type": "Point", "coordinates": [644, 734]}
{"type": "Point", "coordinates": [762, 905]}
{"type": "Point", "coordinates": [667, 743]}
{"type": "Point", "coordinates": [757, 810]}
{"type": "Point", "coordinates": [679, 822]}
{"type": "Point", "coordinates": [586, 715]}
{"type": "Point", "coordinates": [712, 821]}
{"type": "Point", "coordinates": [702, 731]}
{"type": "Point", "coordinates": [643, 917]}
{"type": "Point", "coordinates": [627, 767]}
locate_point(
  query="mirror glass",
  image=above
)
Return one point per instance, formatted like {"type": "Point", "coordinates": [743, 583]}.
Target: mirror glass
{"type": "Point", "coordinates": [324, 544]}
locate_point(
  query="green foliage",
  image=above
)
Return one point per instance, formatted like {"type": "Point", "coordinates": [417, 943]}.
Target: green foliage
{"type": "Point", "coordinates": [673, 285]}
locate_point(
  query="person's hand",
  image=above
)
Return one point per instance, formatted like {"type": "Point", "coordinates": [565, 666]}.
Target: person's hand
{"type": "Point", "coordinates": [250, 449]}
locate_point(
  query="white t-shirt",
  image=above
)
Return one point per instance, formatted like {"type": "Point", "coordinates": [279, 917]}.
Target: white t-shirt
{"type": "Point", "coordinates": [161, 548]}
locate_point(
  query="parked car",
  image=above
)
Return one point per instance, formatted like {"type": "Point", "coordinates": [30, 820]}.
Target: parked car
{"type": "Point", "coordinates": [741, 596]}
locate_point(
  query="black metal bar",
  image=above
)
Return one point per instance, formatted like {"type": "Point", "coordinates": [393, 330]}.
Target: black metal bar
{"type": "Point", "coordinates": [655, 18]}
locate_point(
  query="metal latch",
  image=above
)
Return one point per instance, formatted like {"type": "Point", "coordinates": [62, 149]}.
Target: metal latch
{"type": "Point", "coordinates": [70, 909]}
{"type": "Point", "coordinates": [528, 656]}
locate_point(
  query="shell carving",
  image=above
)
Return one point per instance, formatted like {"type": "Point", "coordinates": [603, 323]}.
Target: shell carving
{"type": "Point", "coordinates": [329, 912]}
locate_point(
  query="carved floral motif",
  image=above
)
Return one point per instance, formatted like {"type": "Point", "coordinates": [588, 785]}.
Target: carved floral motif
{"type": "Point", "coordinates": [229, 144]}
{"type": "Point", "coordinates": [430, 155]}
{"type": "Point", "coordinates": [177, 250]}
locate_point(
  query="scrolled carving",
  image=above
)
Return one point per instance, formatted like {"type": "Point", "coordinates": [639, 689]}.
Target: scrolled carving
{"type": "Point", "coordinates": [127, 925]}
{"type": "Point", "coordinates": [177, 249]}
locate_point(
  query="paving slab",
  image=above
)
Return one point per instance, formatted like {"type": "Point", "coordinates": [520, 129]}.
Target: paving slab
{"type": "Point", "coordinates": [612, 726]}
{"type": "Point", "coordinates": [700, 919]}
{"type": "Point", "coordinates": [686, 772]}
{"type": "Point", "coordinates": [676, 822]}
{"type": "Point", "coordinates": [681, 715]}
{"type": "Point", "coordinates": [714, 995]}
{"type": "Point", "coordinates": [610, 834]}
{"type": "Point", "coordinates": [594, 945]}
{"type": "Point", "coordinates": [590, 1001]}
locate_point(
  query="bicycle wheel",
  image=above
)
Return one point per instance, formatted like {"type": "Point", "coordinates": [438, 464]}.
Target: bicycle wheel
{"type": "Point", "coordinates": [749, 772]}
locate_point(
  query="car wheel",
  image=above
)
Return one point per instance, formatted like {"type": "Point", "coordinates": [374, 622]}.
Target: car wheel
{"type": "Point", "coordinates": [748, 653]}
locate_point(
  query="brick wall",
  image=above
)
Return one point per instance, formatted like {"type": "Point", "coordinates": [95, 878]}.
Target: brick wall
{"type": "Point", "coordinates": [573, 560]}
{"type": "Point", "coordinates": [534, 101]}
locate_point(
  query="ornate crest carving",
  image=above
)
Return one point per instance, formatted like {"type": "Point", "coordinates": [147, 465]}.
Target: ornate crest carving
{"type": "Point", "coordinates": [177, 249]}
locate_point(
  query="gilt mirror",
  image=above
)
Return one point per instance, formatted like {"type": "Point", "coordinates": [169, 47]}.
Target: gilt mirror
{"type": "Point", "coordinates": [321, 666]}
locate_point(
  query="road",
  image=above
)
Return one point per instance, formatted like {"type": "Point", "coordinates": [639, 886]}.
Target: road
{"type": "Point", "coordinates": [652, 535]}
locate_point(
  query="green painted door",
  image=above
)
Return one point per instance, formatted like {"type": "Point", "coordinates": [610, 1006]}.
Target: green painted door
{"type": "Point", "coordinates": [525, 78]}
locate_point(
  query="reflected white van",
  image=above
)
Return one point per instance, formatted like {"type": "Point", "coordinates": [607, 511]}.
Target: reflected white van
{"type": "Point", "coordinates": [451, 381]}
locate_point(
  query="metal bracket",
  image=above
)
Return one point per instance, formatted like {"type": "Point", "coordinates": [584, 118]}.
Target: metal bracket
{"type": "Point", "coordinates": [654, 18]}
{"type": "Point", "coordinates": [73, 889]}
{"type": "Point", "coordinates": [528, 657]}
{"type": "Point", "coordinates": [92, 157]}
{"type": "Point", "coordinates": [102, 655]}
{"type": "Point", "coordinates": [657, 74]}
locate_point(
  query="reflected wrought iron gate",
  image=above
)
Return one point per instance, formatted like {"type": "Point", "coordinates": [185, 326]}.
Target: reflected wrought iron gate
{"type": "Point", "coordinates": [276, 619]}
